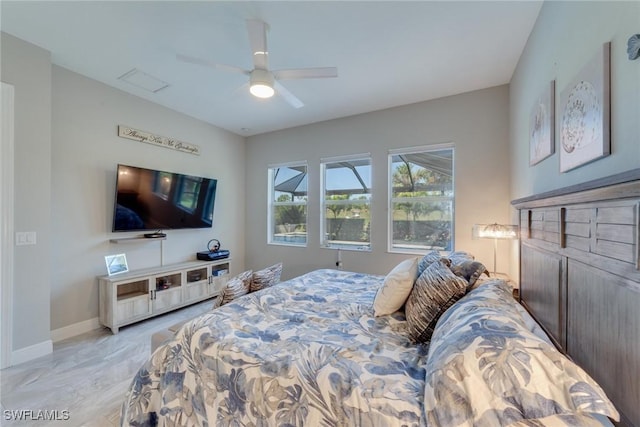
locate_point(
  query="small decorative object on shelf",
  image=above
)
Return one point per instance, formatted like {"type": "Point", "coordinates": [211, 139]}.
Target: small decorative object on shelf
{"type": "Point", "coordinates": [116, 264]}
{"type": "Point", "coordinates": [213, 251]}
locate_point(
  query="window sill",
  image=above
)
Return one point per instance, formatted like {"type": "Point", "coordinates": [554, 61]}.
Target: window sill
{"type": "Point", "coordinates": [294, 245]}
{"type": "Point", "coordinates": [348, 247]}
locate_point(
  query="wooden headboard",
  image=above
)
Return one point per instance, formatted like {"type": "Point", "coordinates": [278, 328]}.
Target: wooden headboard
{"type": "Point", "coordinates": [580, 278]}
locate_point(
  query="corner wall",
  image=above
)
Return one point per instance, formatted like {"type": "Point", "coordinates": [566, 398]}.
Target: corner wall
{"type": "Point", "coordinates": [476, 122]}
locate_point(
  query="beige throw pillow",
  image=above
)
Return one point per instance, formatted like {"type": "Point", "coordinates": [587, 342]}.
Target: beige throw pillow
{"type": "Point", "coordinates": [396, 288]}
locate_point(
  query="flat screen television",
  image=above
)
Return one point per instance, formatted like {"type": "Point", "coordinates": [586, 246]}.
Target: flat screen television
{"type": "Point", "coordinates": [153, 200]}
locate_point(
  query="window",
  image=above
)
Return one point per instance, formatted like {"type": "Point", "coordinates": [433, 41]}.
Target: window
{"type": "Point", "coordinates": [346, 202]}
{"type": "Point", "coordinates": [421, 203]}
{"type": "Point", "coordinates": [288, 204]}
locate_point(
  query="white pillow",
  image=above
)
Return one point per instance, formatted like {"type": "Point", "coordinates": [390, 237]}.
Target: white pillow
{"type": "Point", "coordinates": [396, 287]}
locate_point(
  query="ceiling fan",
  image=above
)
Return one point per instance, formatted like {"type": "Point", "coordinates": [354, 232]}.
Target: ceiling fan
{"type": "Point", "coordinates": [263, 82]}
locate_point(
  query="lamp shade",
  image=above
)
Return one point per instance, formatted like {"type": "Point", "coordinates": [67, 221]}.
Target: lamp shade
{"type": "Point", "coordinates": [495, 231]}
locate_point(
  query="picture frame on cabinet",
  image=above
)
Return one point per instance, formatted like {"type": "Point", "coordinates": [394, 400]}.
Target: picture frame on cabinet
{"type": "Point", "coordinates": [116, 264]}
{"type": "Point", "coordinates": [542, 125]}
{"type": "Point", "coordinates": [584, 128]}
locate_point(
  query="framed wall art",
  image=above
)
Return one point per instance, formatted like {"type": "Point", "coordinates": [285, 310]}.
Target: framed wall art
{"type": "Point", "coordinates": [542, 126]}
{"type": "Point", "coordinates": [584, 106]}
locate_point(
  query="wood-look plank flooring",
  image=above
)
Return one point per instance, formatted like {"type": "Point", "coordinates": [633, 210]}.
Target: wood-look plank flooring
{"type": "Point", "coordinates": [87, 375]}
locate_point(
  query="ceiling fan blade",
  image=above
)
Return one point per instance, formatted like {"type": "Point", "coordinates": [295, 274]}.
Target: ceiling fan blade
{"type": "Point", "coordinates": [257, 30]}
{"type": "Point", "coordinates": [288, 96]}
{"type": "Point", "coordinates": [211, 64]}
{"type": "Point", "coordinates": [306, 73]}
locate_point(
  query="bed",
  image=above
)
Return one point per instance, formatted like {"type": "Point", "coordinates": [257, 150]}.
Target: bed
{"type": "Point", "coordinates": [311, 350]}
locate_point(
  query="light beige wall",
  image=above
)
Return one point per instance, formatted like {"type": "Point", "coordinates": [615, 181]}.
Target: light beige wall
{"type": "Point", "coordinates": [565, 36]}
{"type": "Point", "coordinates": [476, 122]}
{"type": "Point", "coordinates": [86, 150]}
{"type": "Point", "coordinates": [28, 69]}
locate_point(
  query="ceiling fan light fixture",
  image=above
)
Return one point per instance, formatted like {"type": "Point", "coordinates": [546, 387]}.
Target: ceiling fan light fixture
{"type": "Point", "coordinates": [261, 90]}
{"type": "Point", "coordinates": [261, 84]}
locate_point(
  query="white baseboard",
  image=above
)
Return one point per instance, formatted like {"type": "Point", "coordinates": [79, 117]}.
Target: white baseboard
{"type": "Point", "coordinates": [75, 329]}
{"type": "Point", "coordinates": [32, 352]}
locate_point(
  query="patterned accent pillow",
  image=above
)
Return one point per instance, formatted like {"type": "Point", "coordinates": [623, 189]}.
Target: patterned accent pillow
{"type": "Point", "coordinates": [487, 368]}
{"type": "Point", "coordinates": [427, 260]}
{"type": "Point", "coordinates": [434, 292]}
{"type": "Point", "coordinates": [236, 287]}
{"type": "Point", "coordinates": [266, 277]}
{"type": "Point", "coordinates": [396, 288]}
{"type": "Point", "coordinates": [469, 271]}
{"type": "Point", "coordinates": [459, 257]}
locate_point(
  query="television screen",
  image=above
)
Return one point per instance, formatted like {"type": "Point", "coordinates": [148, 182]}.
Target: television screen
{"type": "Point", "coordinates": [148, 199]}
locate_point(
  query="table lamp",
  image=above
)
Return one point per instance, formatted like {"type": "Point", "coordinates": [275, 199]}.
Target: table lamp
{"type": "Point", "coordinates": [495, 231]}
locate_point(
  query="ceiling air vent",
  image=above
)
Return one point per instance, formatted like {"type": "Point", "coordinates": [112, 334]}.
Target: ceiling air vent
{"type": "Point", "coordinates": [143, 80]}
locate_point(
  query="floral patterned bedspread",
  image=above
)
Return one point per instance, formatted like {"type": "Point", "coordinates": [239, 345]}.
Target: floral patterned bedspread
{"type": "Point", "coordinates": [308, 351]}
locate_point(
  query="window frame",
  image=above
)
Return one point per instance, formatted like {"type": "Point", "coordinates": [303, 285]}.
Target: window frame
{"type": "Point", "coordinates": [271, 203]}
{"type": "Point", "coordinates": [323, 202]}
{"type": "Point", "coordinates": [391, 247]}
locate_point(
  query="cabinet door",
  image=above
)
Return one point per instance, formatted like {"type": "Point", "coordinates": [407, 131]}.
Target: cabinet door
{"type": "Point", "coordinates": [132, 301]}
{"type": "Point", "coordinates": [196, 284]}
{"type": "Point", "coordinates": [219, 278]}
{"type": "Point", "coordinates": [132, 308]}
{"type": "Point", "coordinates": [168, 291]}
{"type": "Point", "coordinates": [217, 284]}
{"type": "Point", "coordinates": [167, 299]}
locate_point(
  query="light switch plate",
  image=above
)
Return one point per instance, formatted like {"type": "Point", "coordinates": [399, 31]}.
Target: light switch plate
{"type": "Point", "coordinates": [25, 238]}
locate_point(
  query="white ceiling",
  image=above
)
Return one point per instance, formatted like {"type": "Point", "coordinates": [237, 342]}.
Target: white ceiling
{"type": "Point", "coordinates": [388, 53]}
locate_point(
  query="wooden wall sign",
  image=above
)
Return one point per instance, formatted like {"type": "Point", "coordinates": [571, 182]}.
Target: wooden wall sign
{"type": "Point", "coordinates": [160, 141]}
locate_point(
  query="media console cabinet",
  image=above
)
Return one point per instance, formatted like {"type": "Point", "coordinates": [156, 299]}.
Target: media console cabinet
{"type": "Point", "coordinates": [137, 295]}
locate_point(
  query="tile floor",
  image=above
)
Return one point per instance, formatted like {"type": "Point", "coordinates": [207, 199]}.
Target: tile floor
{"type": "Point", "coordinates": [86, 375]}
